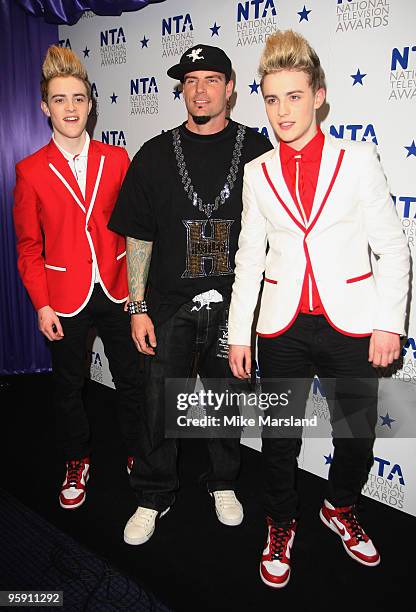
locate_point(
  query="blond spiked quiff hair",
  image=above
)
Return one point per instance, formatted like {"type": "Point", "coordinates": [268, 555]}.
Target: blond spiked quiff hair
{"type": "Point", "coordinates": [288, 50]}
{"type": "Point", "coordinates": [61, 62]}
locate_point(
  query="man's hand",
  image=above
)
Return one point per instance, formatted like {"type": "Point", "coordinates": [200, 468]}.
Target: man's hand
{"type": "Point", "coordinates": [384, 348]}
{"type": "Point", "coordinates": [49, 324]}
{"type": "Point", "coordinates": [142, 326]}
{"type": "Point", "coordinates": [239, 358]}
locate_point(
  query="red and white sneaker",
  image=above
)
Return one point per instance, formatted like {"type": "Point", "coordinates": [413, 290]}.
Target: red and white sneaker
{"type": "Point", "coordinates": [130, 462]}
{"type": "Point", "coordinates": [73, 488]}
{"type": "Point", "coordinates": [356, 542]}
{"type": "Point", "coordinates": [275, 562]}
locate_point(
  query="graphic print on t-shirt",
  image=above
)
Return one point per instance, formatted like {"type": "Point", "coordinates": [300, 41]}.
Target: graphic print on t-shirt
{"type": "Point", "coordinates": [161, 194]}
{"type": "Point", "coordinates": [214, 248]}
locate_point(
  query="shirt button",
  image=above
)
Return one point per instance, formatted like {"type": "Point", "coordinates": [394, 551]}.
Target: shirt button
{"type": "Point", "coordinates": [89, 261]}
{"type": "Point", "coordinates": [89, 228]}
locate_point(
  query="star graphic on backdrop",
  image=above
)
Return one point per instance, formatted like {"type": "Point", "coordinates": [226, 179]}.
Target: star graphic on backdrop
{"type": "Point", "coordinates": [215, 29]}
{"type": "Point", "coordinates": [303, 14]}
{"type": "Point", "coordinates": [86, 51]}
{"type": "Point", "coordinates": [328, 459]}
{"type": "Point", "coordinates": [358, 77]}
{"type": "Point", "coordinates": [387, 420]}
{"type": "Point", "coordinates": [144, 42]}
{"type": "Point", "coordinates": [114, 98]}
{"type": "Point", "coordinates": [177, 93]}
{"type": "Point", "coordinates": [411, 150]}
{"type": "Point", "coordinates": [254, 87]}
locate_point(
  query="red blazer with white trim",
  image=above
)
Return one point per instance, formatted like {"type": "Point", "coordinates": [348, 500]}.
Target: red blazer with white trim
{"type": "Point", "coordinates": [352, 217]}
{"type": "Point", "coordinates": [60, 234]}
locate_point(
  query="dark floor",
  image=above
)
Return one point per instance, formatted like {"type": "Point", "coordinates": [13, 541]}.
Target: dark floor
{"type": "Point", "coordinates": [193, 562]}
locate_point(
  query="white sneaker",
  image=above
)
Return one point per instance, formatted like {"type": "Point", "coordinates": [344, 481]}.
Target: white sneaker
{"type": "Point", "coordinates": [228, 508]}
{"type": "Point", "coordinates": [140, 527]}
{"type": "Point", "coordinates": [344, 522]}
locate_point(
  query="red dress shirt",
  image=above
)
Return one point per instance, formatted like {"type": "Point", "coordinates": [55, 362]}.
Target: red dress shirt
{"type": "Point", "coordinates": [301, 182]}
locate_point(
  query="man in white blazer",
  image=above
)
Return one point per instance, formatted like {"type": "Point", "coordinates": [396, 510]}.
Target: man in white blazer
{"type": "Point", "coordinates": [321, 205]}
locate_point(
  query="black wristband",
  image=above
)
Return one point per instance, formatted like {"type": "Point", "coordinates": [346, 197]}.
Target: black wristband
{"type": "Point", "coordinates": [137, 307]}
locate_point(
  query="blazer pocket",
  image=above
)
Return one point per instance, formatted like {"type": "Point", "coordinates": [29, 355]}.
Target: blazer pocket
{"type": "Point", "coordinates": [123, 254]}
{"type": "Point", "coordinates": [57, 268]}
{"type": "Point", "coordinates": [356, 279]}
{"type": "Point", "coordinates": [270, 280]}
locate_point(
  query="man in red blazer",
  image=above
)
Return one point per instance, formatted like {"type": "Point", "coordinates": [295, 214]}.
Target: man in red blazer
{"type": "Point", "coordinates": [72, 265]}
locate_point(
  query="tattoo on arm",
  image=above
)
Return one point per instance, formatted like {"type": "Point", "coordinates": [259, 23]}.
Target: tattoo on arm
{"type": "Point", "coordinates": [139, 254]}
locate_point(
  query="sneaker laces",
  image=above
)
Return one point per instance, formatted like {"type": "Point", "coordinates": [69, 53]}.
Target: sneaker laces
{"type": "Point", "coordinates": [143, 516]}
{"type": "Point", "coordinates": [74, 471]}
{"type": "Point", "coordinates": [347, 515]}
{"type": "Point", "coordinates": [279, 536]}
{"type": "Point", "coordinates": [226, 499]}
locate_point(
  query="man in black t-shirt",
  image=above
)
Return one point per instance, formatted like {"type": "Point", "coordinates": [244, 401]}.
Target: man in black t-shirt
{"type": "Point", "coordinates": [180, 208]}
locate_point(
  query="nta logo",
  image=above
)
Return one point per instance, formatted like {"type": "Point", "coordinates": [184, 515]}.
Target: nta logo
{"type": "Point", "coordinates": [368, 132]}
{"type": "Point", "coordinates": [261, 9]}
{"type": "Point", "coordinates": [401, 57]}
{"type": "Point", "coordinates": [262, 130]}
{"type": "Point", "coordinates": [94, 358]}
{"type": "Point", "coordinates": [177, 24]}
{"type": "Point", "coordinates": [144, 85]}
{"type": "Point", "coordinates": [395, 470]}
{"type": "Point", "coordinates": [115, 36]}
{"type": "Point", "coordinates": [317, 387]}
{"type": "Point", "coordinates": [114, 137]}
{"type": "Point", "coordinates": [407, 202]}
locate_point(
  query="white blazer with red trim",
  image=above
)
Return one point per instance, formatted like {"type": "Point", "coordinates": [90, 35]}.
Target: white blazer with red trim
{"type": "Point", "coordinates": [352, 216]}
{"type": "Point", "coordinates": [60, 234]}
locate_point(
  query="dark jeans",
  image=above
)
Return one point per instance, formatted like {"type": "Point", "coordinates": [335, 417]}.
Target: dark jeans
{"type": "Point", "coordinates": [186, 343]}
{"type": "Point", "coordinates": [69, 369]}
{"type": "Point", "coordinates": [311, 346]}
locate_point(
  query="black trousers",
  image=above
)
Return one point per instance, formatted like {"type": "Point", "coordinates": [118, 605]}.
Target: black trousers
{"type": "Point", "coordinates": [186, 343]}
{"type": "Point", "coordinates": [311, 346]}
{"type": "Point", "coordinates": [69, 368]}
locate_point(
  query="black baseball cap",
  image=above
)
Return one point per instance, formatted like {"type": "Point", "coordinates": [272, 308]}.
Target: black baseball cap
{"type": "Point", "coordinates": [201, 57]}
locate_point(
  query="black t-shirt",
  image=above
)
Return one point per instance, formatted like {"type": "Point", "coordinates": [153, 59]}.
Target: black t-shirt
{"type": "Point", "coordinates": [183, 193]}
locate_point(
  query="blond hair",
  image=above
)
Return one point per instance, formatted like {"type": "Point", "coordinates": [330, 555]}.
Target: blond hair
{"type": "Point", "coordinates": [61, 62]}
{"type": "Point", "coordinates": [288, 50]}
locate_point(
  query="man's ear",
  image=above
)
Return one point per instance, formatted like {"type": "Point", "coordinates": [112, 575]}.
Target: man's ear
{"type": "Point", "coordinates": [45, 108]}
{"type": "Point", "coordinates": [319, 98]}
{"type": "Point", "coordinates": [89, 106]}
{"type": "Point", "coordinates": [229, 88]}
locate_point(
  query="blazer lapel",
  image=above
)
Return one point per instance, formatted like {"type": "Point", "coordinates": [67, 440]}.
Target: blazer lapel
{"type": "Point", "coordinates": [274, 170]}
{"type": "Point", "coordinates": [327, 173]}
{"type": "Point", "coordinates": [60, 167]}
{"type": "Point", "coordinates": [94, 172]}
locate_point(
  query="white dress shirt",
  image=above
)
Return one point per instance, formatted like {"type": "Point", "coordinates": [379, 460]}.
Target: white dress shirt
{"type": "Point", "coordinates": [78, 164]}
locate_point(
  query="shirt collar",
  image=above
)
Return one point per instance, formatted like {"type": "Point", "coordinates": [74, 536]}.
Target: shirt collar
{"type": "Point", "coordinates": [311, 152]}
{"type": "Point", "coordinates": [71, 156]}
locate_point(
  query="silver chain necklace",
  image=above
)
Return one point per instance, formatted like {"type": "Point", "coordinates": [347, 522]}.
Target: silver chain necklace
{"type": "Point", "coordinates": [225, 192]}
